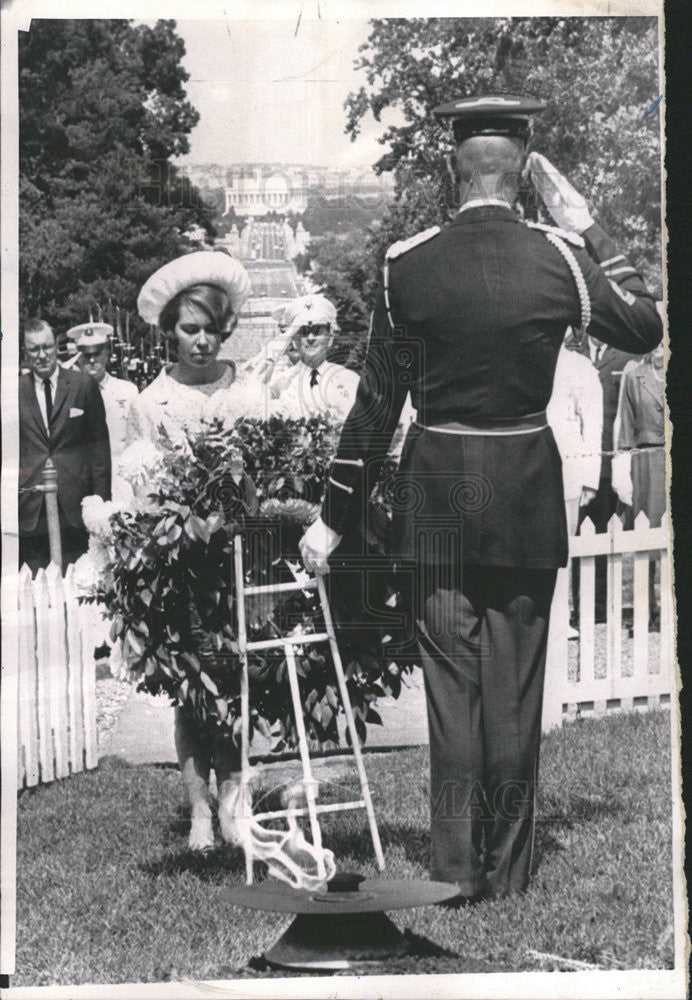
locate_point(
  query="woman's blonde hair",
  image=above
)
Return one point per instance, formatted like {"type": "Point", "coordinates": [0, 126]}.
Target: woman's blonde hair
{"type": "Point", "coordinates": [211, 299]}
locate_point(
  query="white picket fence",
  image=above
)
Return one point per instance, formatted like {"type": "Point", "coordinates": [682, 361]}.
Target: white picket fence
{"type": "Point", "coordinates": [636, 671]}
{"type": "Point", "coordinates": [56, 710]}
{"type": "Point", "coordinates": [56, 684]}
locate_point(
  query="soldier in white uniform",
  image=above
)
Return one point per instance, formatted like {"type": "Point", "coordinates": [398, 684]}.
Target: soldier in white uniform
{"type": "Point", "coordinates": [314, 386]}
{"type": "Point", "coordinates": [118, 394]}
{"type": "Point", "coordinates": [575, 416]}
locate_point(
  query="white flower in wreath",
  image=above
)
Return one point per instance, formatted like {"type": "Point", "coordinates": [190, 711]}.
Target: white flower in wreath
{"type": "Point", "coordinates": [246, 397]}
{"type": "Point", "coordinates": [289, 406]}
{"type": "Point", "coordinates": [139, 464]}
{"type": "Point", "coordinates": [96, 514]}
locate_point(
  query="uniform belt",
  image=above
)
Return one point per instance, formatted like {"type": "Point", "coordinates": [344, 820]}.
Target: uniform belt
{"type": "Point", "coordinates": [491, 426]}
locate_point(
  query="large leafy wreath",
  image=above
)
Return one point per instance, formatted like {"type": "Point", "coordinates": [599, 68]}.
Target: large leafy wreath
{"type": "Point", "coordinates": [168, 580]}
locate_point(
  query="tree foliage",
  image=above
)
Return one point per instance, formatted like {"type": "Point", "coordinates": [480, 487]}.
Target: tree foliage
{"type": "Point", "coordinates": [102, 112]}
{"type": "Point", "coordinates": [598, 77]}
{"type": "Point", "coordinates": [339, 215]}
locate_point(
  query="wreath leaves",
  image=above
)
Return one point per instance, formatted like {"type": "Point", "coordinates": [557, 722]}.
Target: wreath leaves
{"type": "Point", "coordinates": [169, 584]}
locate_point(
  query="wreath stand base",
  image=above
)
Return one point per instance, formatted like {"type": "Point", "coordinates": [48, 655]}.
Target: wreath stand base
{"type": "Point", "coordinates": [343, 926]}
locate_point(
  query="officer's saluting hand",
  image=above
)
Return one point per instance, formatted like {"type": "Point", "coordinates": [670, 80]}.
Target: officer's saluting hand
{"type": "Point", "coordinates": [565, 204]}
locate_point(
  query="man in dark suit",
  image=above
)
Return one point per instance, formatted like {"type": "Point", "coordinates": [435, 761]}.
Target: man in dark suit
{"type": "Point", "coordinates": [61, 417]}
{"type": "Point", "coordinates": [470, 319]}
{"type": "Point", "coordinates": [610, 364]}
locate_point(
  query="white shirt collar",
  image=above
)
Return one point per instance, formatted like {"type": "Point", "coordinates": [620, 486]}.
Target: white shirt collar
{"type": "Point", "coordinates": [477, 202]}
{"type": "Point", "coordinates": [320, 368]}
{"type": "Point", "coordinates": [38, 381]}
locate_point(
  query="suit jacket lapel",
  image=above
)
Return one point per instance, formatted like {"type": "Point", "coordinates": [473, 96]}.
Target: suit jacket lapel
{"type": "Point", "coordinates": [29, 402]}
{"type": "Point", "coordinates": [605, 358]}
{"type": "Point", "coordinates": [62, 394]}
{"type": "Point", "coordinates": [652, 386]}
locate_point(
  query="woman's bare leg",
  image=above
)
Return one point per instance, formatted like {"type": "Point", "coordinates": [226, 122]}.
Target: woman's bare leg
{"type": "Point", "coordinates": [227, 768]}
{"type": "Point", "coordinates": [194, 758]}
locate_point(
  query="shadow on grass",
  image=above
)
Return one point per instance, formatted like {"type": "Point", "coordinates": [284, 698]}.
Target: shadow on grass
{"type": "Point", "coordinates": [565, 812]}
{"type": "Point", "coordinates": [557, 814]}
{"type": "Point", "coordinates": [208, 866]}
{"type": "Point", "coordinates": [357, 844]}
{"type": "Point", "coordinates": [114, 762]}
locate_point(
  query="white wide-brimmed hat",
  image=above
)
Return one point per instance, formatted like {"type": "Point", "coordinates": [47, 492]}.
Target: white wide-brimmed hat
{"type": "Point", "coordinates": [201, 267]}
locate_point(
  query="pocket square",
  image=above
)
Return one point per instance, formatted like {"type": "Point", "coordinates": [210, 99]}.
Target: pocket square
{"type": "Point", "coordinates": [76, 412]}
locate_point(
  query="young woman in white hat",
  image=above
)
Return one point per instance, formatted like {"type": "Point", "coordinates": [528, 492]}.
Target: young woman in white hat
{"type": "Point", "coordinates": [195, 301]}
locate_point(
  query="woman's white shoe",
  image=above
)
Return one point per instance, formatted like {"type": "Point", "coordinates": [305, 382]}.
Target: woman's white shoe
{"type": "Point", "coordinates": [201, 834]}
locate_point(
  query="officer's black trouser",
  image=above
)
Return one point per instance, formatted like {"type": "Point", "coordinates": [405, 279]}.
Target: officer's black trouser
{"type": "Point", "coordinates": [483, 641]}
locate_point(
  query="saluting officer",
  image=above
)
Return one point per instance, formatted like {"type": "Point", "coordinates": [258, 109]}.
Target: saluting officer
{"type": "Point", "coordinates": [313, 386]}
{"type": "Point", "coordinates": [470, 318]}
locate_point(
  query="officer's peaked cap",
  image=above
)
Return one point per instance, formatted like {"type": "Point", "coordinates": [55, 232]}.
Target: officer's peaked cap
{"type": "Point", "coordinates": [493, 114]}
{"type": "Point", "coordinates": [314, 309]}
{"type": "Point", "coordinates": [90, 334]}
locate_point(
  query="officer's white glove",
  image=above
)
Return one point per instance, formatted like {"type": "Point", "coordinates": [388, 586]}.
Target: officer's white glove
{"type": "Point", "coordinates": [567, 207]}
{"type": "Point", "coordinates": [316, 545]}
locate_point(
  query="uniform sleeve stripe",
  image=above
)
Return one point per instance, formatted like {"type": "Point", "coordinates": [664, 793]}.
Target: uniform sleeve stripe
{"type": "Point", "coordinates": [341, 486]}
{"type": "Point", "coordinates": [622, 270]}
{"type": "Point", "coordinates": [612, 260]}
{"type": "Point", "coordinates": [622, 292]}
{"type": "Point", "coordinates": [349, 461]}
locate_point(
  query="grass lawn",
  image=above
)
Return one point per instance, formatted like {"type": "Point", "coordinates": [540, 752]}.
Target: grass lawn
{"type": "Point", "coordinates": [108, 892]}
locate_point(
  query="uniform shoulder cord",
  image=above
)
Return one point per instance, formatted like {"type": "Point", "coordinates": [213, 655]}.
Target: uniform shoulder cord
{"type": "Point", "coordinates": [579, 280]}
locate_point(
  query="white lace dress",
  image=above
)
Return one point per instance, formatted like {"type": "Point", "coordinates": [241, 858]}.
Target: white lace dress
{"type": "Point", "coordinates": [176, 407]}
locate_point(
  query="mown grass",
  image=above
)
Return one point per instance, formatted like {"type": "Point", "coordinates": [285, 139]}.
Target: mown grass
{"type": "Point", "coordinates": [108, 892]}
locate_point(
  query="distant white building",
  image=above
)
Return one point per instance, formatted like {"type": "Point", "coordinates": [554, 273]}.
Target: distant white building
{"type": "Point", "coordinates": [259, 190]}
{"type": "Point", "coordinates": [254, 189]}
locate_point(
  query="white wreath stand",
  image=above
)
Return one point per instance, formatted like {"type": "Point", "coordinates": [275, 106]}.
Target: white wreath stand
{"type": "Point", "coordinates": [312, 809]}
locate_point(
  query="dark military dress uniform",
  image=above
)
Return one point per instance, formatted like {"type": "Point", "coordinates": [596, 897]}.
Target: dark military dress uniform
{"type": "Point", "coordinates": [470, 319]}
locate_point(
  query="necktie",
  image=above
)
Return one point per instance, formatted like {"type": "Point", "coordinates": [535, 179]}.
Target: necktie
{"type": "Point", "coordinates": [314, 376]}
{"type": "Point", "coordinates": [49, 399]}
{"type": "Point", "coordinates": [597, 356]}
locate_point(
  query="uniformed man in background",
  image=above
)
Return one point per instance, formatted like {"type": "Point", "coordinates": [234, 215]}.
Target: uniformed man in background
{"type": "Point", "coordinates": [93, 351]}
{"type": "Point", "coordinates": [470, 318]}
{"type": "Point", "coordinates": [314, 386]}
{"type": "Point", "coordinates": [609, 364]}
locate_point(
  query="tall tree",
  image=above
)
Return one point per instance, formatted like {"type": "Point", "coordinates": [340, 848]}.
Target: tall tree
{"type": "Point", "coordinates": [102, 112]}
{"type": "Point", "coordinates": [598, 76]}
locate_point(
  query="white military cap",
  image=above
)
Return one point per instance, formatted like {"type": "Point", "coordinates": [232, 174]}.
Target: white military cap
{"type": "Point", "coordinates": [90, 334]}
{"type": "Point", "coordinates": [314, 309]}
{"type": "Point", "coordinates": [201, 267]}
